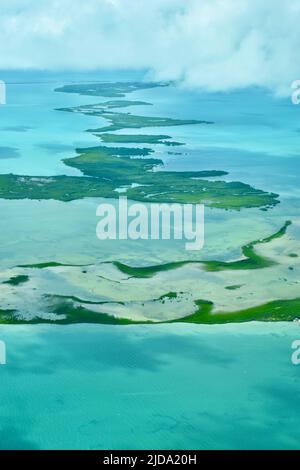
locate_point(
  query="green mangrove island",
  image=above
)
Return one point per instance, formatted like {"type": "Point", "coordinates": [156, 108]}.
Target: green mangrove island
{"type": "Point", "coordinates": [144, 179]}
{"type": "Point", "coordinates": [109, 168]}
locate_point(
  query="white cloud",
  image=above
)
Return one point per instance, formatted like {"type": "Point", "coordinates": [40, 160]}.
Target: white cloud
{"type": "Point", "coordinates": [211, 44]}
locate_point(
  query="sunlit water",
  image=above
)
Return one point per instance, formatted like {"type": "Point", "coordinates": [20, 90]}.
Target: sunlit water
{"type": "Point", "coordinates": [179, 386]}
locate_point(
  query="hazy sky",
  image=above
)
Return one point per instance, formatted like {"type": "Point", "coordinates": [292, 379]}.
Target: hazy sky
{"type": "Point", "coordinates": [211, 44]}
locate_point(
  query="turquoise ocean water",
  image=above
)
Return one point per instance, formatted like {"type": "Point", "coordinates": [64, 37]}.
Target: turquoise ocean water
{"type": "Point", "coordinates": [176, 386]}
{"type": "Point", "coordinates": [179, 386]}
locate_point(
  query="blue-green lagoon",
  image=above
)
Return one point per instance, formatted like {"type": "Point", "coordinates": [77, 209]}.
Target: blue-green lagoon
{"type": "Point", "coordinates": [160, 385]}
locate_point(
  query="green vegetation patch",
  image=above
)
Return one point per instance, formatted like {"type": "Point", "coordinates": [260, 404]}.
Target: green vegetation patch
{"type": "Point", "coordinates": [49, 264]}
{"type": "Point", "coordinates": [108, 89]}
{"type": "Point", "coordinates": [120, 104]}
{"type": "Point", "coordinates": [130, 121]}
{"type": "Point", "coordinates": [68, 312]}
{"type": "Point", "coordinates": [251, 261]}
{"type": "Point", "coordinates": [127, 120]}
{"type": "Point", "coordinates": [17, 280]}
{"type": "Point", "coordinates": [108, 168]}
{"type": "Point", "coordinates": [71, 312]}
{"type": "Point", "coordinates": [234, 287]}
{"type": "Point", "coordinates": [105, 162]}
{"type": "Point", "coordinates": [99, 109]}
{"type": "Point", "coordinates": [62, 188]}
{"type": "Point", "coordinates": [166, 186]}
{"type": "Point", "coordinates": [9, 317]}
{"type": "Point", "coordinates": [168, 296]}
{"type": "Point", "coordinates": [138, 139]}
{"type": "Point", "coordinates": [277, 310]}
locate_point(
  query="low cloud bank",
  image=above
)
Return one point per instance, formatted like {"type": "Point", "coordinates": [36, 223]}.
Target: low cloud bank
{"type": "Point", "coordinates": [209, 44]}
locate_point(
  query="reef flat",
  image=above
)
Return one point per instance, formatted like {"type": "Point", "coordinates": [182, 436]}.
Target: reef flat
{"type": "Point", "coordinates": [251, 260]}
{"type": "Point", "coordinates": [68, 311]}
{"type": "Point", "coordinates": [104, 293]}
